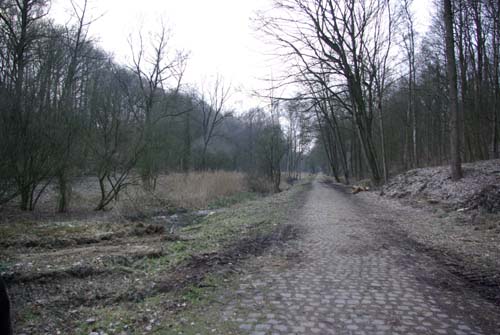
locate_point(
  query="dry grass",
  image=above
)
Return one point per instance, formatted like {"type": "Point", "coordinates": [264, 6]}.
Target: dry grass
{"type": "Point", "coordinates": [196, 190]}
{"type": "Point", "coordinates": [121, 276]}
{"type": "Point", "coordinates": [199, 189]}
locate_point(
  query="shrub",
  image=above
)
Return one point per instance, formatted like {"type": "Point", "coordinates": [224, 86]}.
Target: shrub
{"type": "Point", "coordinates": [259, 184]}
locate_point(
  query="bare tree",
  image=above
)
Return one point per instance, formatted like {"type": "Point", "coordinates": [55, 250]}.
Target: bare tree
{"type": "Point", "coordinates": [213, 112]}
{"type": "Point", "coordinates": [336, 37]}
{"type": "Point", "coordinates": [68, 125]}
{"type": "Point", "coordinates": [411, 116]}
{"type": "Point", "coordinates": [494, 12]}
{"type": "Point", "coordinates": [159, 69]}
{"type": "Point", "coordinates": [25, 156]}
{"type": "Point", "coordinates": [112, 133]}
{"type": "Point", "coordinates": [271, 145]}
{"type": "Point", "coordinates": [328, 115]}
{"type": "Point", "coordinates": [298, 135]}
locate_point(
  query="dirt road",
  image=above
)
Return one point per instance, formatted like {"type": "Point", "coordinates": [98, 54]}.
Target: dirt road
{"type": "Point", "coordinates": [355, 275]}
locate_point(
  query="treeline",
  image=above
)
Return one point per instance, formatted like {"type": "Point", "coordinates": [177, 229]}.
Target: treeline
{"type": "Point", "coordinates": [373, 99]}
{"type": "Point", "coordinates": [69, 110]}
{"type": "Point", "coordinates": [380, 91]}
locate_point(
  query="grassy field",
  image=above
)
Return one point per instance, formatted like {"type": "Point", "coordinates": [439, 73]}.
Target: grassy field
{"type": "Point", "coordinates": [141, 274]}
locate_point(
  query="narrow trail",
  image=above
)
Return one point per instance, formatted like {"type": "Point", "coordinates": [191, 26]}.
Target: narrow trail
{"type": "Point", "coordinates": [355, 277]}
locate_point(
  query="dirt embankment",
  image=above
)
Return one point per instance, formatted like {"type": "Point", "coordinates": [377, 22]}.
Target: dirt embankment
{"type": "Point", "coordinates": [456, 222]}
{"type": "Point", "coordinates": [478, 189]}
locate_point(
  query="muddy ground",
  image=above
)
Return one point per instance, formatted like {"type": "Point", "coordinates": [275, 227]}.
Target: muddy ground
{"type": "Point", "coordinates": [156, 271]}
{"type": "Point", "coordinates": [118, 275]}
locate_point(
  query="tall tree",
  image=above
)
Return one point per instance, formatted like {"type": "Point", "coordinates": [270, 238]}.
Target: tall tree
{"type": "Point", "coordinates": [158, 69]}
{"type": "Point", "coordinates": [493, 8]}
{"type": "Point", "coordinates": [212, 106]}
{"type": "Point", "coordinates": [340, 39]}
{"type": "Point", "coordinates": [271, 145]}
{"type": "Point", "coordinates": [411, 117]}
{"type": "Point", "coordinates": [26, 156]}
{"type": "Point", "coordinates": [67, 115]}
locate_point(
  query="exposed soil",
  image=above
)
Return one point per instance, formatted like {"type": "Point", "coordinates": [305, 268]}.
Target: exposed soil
{"type": "Point", "coordinates": [108, 272]}
{"type": "Point", "coordinates": [456, 223]}
{"type": "Point", "coordinates": [66, 274]}
{"type": "Point", "coordinates": [227, 259]}
{"type": "Point", "coordinates": [61, 273]}
{"type": "Point", "coordinates": [478, 189]}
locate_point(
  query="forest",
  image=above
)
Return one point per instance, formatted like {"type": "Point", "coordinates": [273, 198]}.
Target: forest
{"type": "Point", "coordinates": [372, 97]}
{"type": "Point", "coordinates": [356, 192]}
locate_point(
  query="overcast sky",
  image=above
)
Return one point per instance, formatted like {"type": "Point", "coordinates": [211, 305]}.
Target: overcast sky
{"type": "Point", "coordinates": [218, 34]}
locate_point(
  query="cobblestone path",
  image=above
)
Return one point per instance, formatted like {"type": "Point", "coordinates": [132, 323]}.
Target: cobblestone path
{"type": "Point", "coordinates": [351, 280]}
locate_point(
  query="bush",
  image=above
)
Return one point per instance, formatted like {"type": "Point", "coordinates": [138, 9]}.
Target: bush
{"type": "Point", "coordinates": [259, 184]}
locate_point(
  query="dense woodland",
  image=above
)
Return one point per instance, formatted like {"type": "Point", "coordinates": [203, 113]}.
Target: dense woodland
{"type": "Point", "coordinates": [372, 98]}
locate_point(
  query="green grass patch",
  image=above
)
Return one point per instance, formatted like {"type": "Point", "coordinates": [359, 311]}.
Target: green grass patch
{"type": "Point", "coordinates": [190, 309]}
{"type": "Point", "coordinates": [118, 319]}
{"type": "Point", "coordinates": [193, 294]}
{"type": "Point", "coordinates": [231, 200]}
{"type": "Point", "coordinates": [260, 215]}
{"type": "Point", "coordinates": [32, 233]}
{"type": "Point", "coordinates": [30, 315]}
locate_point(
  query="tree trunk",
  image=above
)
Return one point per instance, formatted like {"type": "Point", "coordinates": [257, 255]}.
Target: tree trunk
{"type": "Point", "coordinates": [456, 165]}
{"type": "Point", "coordinates": [382, 140]}
{"type": "Point", "coordinates": [328, 147]}
{"type": "Point", "coordinates": [64, 192]}
{"type": "Point", "coordinates": [277, 180]}
{"type": "Point", "coordinates": [335, 129]}
{"type": "Point", "coordinates": [368, 151]}
{"type": "Point", "coordinates": [496, 78]}
{"type": "Point", "coordinates": [204, 157]}
{"type": "Point", "coordinates": [102, 188]}
{"type": "Point", "coordinates": [25, 198]}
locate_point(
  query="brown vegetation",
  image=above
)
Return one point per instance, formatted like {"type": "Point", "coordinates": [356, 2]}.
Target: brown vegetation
{"type": "Point", "coordinates": [198, 190]}
{"type": "Point", "coordinates": [78, 275]}
{"type": "Point", "coordinates": [194, 190]}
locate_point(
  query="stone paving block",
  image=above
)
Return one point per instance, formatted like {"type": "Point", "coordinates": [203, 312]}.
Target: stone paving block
{"type": "Point", "coordinates": [348, 281]}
